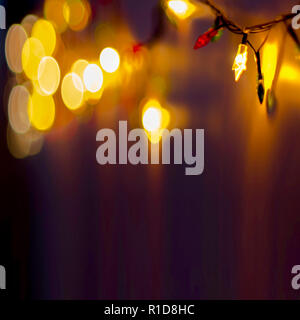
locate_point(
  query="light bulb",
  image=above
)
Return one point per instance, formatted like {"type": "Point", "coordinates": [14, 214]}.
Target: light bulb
{"type": "Point", "coordinates": [240, 62]}
{"type": "Point", "coordinates": [152, 119]}
{"type": "Point", "coordinates": [181, 8]}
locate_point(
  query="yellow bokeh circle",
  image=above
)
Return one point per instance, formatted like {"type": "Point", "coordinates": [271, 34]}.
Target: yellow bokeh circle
{"type": "Point", "coordinates": [48, 75]}
{"type": "Point", "coordinates": [79, 66]}
{"type": "Point", "coordinates": [44, 31]}
{"type": "Point", "coordinates": [32, 53]}
{"type": "Point", "coordinates": [72, 91]}
{"type": "Point", "coordinates": [41, 111]}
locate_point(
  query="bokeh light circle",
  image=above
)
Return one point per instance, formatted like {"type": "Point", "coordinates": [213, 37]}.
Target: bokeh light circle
{"type": "Point", "coordinates": [18, 109]}
{"type": "Point", "coordinates": [76, 13]}
{"type": "Point", "coordinates": [24, 145]}
{"type": "Point", "coordinates": [41, 111]}
{"type": "Point", "coordinates": [93, 78]}
{"type": "Point", "coordinates": [109, 60]}
{"type": "Point", "coordinates": [152, 119]}
{"type": "Point", "coordinates": [54, 12]}
{"type": "Point", "coordinates": [79, 66]}
{"type": "Point", "coordinates": [48, 75]}
{"type": "Point", "coordinates": [15, 40]}
{"type": "Point", "coordinates": [72, 91]}
{"type": "Point", "coordinates": [44, 31]}
{"type": "Point", "coordinates": [32, 53]}
{"type": "Point", "coordinates": [28, 23]}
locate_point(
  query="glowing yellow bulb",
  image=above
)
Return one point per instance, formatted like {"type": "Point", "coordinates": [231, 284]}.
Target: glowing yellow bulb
{"type": "Point", "coordinates": [44, 31]}
{"type": "Point", "coordinates": [152, 119]}
{"type": "Point", "coordinates": [48, 75]}
{"type": "Point", "coordinates": [155, 119]}
{"type": "Point", "coordinates": [109, 60]}
{"type": "Point", "coordinates": [41, 111]}
{"type": "Point", "coordinates": [72, 91]}
{"type": "Point", "coordinates": [240, 62]}
{"type": "Point", "coordinates": [181, 8]}
{"type": "Point", "coordinates": [269, 63]}
{"type": "Point", "coordinates": [93, 78]}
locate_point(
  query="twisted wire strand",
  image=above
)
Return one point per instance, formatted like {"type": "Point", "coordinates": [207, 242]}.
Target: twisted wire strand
{"type": "Point", "coordinates": [259, 28]}
{"type": "Point", "coordinates": [235, 28]}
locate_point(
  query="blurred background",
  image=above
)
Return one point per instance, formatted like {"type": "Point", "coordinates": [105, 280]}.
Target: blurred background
{"type": "Point", "coordinates": [72, 229]}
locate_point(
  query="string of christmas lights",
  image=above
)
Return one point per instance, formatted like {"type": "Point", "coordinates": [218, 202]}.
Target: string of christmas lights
{"type": "Point", "coordinates": [183, 9]}
{"type": "Point", "coordinates": [240, 62]}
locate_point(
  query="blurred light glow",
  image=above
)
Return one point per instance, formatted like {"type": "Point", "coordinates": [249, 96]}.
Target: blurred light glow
{"type": "Point", "coordinates": [240, 62]}
{"type": "Point", "coordinates": [44, 31]}
{"type": "Point", "coordinates": [18, 109]}
{"type": "Point", "coordinates": [269, 63]}
{"type": "Point", "coordinates": [289, 73]}
{"type": "Point", "coordinates": [15, 39]}
{"type": "Point", "coordinates": [72, 91]}
{"type": "Point", "coordinates": [93, 97]}
{"type": "Point", "coordinates": [77, 13]}
{"type": "Point", "coordinates": [155, 119]}
{"type": "Point", "coordinates": [109, 60]}
{"type": "Point", "coordinates": [28, 23]}
{"type": "Point", "coordinates": [54, 12]}
{"type": "Point", "coordinates": [48, 75]}
{"type": "Point", "coordinates": [24, 145]}
{"type": "Point", "coordinates": [41, 111]}
{"type": "Point", "coordinates": [105, 34]}
{"type": "Point", "coordinates": [18, 145]}
{"type": "Point", "coordinates": [93, 78]}
{"type": "Point", "coordinates": [36, 142]}
{"type": "Point", "coordinates": [32, 53]}
{"type": "Point", "coordinates": [152, 119]}
{"type": "Point", "coordinates": [78, 67]}
{"type": "Point", "coordinates": [181, 8]}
